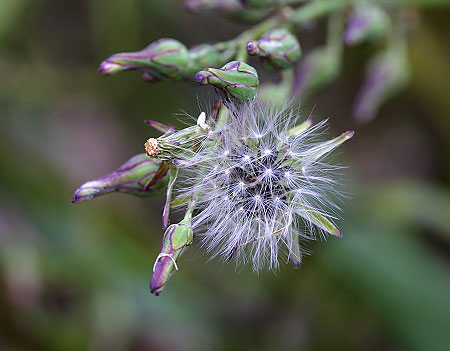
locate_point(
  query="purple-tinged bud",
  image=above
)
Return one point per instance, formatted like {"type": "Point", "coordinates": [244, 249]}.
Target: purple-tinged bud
{"type": "Point", "coordinates": [386, 74]}
{"type": "Point", "coordinates": [236, 81]}
{"type": "Point", "coordinates": [319, 68]}
{"type": "Point", "coordinates": [164, 59]}
{"type": "Point", "coordinates": [140, 176]}
{"type": "Point", "coordinates": [253, 48]}
{"type": "Point", "coordinates": [278, 49]}
{"type": "Point", "coordinates": [207, 55]}
{"type": "Point", "coordinates": [177, 238]}
{"type": "Point", "coordinates": [366, 22]}
{"type": "Point", "coordinates": [109, 68]}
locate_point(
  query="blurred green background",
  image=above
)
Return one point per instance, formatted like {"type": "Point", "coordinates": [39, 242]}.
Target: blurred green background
{"type": "Point", "coordinates": [76, 277]}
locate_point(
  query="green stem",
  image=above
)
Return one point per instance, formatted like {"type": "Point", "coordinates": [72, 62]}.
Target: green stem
{"type": "Point", "coordinates": [173, 173]}
{"type": "Point", "coordinates": [191, 207]}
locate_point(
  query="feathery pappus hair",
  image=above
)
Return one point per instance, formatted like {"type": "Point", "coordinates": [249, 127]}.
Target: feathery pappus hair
{"type": "Point", "coordinates": [262, 184]}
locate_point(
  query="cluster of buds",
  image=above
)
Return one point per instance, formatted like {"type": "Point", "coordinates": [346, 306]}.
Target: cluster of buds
{"type": "Point", "coordinates": [224, 64]}
{"type": "Point", "coordinates": [256, 180]}
{"type": "Point", "coordinates": [168, 59]}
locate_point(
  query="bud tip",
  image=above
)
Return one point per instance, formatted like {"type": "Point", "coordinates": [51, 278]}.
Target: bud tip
{"type": "Point", "coordinates": [107, 68]}
{"type": "Point", "coordinates": [201, 78]}
{"type": "Point", "coordinates": [252, 47]}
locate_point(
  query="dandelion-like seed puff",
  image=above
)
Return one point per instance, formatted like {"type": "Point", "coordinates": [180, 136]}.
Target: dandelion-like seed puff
{"type": "Point", "coordinates": [262, 184]}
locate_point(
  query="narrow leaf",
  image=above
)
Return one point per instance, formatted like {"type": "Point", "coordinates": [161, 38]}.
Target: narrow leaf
{"type": "Point", "coordinates": [160, 127]}
{"type": "Point", "coordinates": [317, 152]}
{"type": "Point", "coordinates": [319, 220]}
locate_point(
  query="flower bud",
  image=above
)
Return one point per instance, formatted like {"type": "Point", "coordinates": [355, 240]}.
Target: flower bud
{"type": "Point", "coordinates": [366, 22]}
{"type": "Point", "coordinates": [317, 69]}
{"type": "Point", "coordinates": [140, 176]}
{"type": "Point", "coordinates": [386, 74]}
{"type": "Point", "coordinates": [207, 55]}
{"type": "Point", "coordinates": [176, 147]}
{"type": "Point", "coordinates": [176, 238]}
{"type": "Point", "coordinates": [236, 81]}
{"type": "Point", "coordinates": [278, 49]}
{"type": "Point", "coordinates": [164, 59]}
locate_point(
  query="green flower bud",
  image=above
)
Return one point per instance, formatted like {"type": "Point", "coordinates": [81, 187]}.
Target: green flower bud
{"type": "Point", "coordinates": [140, 176]}
{"type": "Point", "coordinates": [366, 22]}
{"type": "Point", "coordinates": [319, 68]}
{"type": "Point", "coordinates": [177, 238]}
{"type": "Point", "coordinates": [164, 59]}
{"type": "Point", "coordinates": [207, 55]}
{"type": "Point", "coordinates": [278, 49]}
{"type": "Point", "coordinates": [236, 81]}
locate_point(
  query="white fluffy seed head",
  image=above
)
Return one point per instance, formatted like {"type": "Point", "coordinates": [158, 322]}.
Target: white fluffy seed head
{"type": "Point", "coordinates": [255, 197]}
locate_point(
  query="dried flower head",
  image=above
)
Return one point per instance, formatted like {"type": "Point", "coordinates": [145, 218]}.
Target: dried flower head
{"type": "Point", "coordinates": [151, 147]}
{"type": "Point", "coordinates": [262, 185]}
